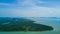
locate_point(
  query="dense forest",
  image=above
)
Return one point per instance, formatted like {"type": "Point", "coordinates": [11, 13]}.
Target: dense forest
{"type": "Point", "coordinates": [21, 24]}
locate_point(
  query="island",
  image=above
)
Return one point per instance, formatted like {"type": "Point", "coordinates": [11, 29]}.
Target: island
{"type": "Point", "coordinates": [21, 24]}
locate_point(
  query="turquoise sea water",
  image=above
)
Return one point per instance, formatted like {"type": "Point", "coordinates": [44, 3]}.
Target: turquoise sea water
{"type": "Point", "coordinates": [54, 22]}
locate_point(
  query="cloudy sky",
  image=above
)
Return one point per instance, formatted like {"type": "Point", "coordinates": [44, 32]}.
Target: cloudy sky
{"type": "Point", "coordinates": [29, 8]}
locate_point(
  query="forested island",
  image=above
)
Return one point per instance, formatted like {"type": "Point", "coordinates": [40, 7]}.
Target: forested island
{"type": "Point", "coordinates": [21, 24]}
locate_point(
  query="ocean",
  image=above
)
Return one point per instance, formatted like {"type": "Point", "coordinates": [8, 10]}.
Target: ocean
{"type": "Point", "coordinates": [54, 22]}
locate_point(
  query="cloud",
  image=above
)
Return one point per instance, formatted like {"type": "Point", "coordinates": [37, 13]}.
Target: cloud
{"type": "Point", "coordinates": [28, 2]}
{"type": "Point", "coordinates": [28, 8]}
{"type": "Point", "coordinates": [38, 12]}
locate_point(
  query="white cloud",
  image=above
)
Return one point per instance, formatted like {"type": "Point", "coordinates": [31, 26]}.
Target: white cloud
{"type": "Point", "coordinates": [38, 12]}
{"type": "Point", "coordinates": [33, 10]}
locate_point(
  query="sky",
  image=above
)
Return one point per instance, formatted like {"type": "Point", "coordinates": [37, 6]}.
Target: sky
{"type": "Point", "coordinates": [29, 8]}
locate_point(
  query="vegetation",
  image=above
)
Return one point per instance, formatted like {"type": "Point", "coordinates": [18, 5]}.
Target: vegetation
{"type": "Point", "coordinates": [21, 24]}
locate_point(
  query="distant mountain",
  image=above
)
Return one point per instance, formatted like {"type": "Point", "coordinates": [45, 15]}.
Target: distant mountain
{"type": "Point", "coordinates": [21, 24]}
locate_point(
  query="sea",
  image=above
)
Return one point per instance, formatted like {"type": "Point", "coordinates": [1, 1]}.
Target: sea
{"type": "Point", "coordinates": [50, 21]}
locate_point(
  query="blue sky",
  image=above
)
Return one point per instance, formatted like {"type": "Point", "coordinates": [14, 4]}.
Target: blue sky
{"type": "Point", "coordinates": [29, 8]}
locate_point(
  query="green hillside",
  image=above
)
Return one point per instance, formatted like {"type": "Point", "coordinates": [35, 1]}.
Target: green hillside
{"type": "Point", "coordinates": [21, 24]}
